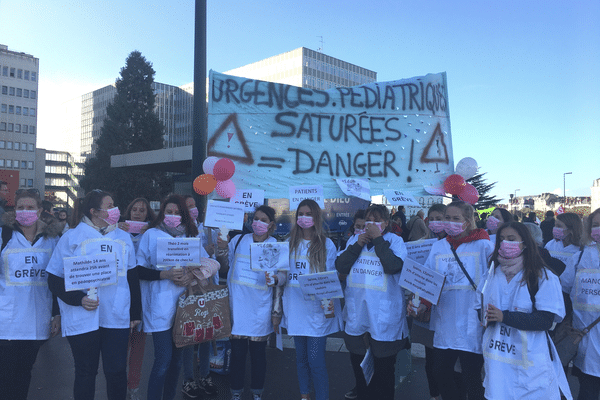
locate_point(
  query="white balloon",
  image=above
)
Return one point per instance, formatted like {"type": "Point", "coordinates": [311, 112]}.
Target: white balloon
{"type": "Point", "coordinates": [467, 167]}
{"type": "Point", "coordinates": [209, 164]}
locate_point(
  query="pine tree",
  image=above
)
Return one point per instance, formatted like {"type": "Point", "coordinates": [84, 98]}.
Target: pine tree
{"type": "Point", "coordinates": [131, 125]}
{"type": "Point", "coordinates": [485, 201]}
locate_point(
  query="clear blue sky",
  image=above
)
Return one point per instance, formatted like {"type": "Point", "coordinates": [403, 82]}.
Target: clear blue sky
{"type": "Point", "coordinates": [523, 76]}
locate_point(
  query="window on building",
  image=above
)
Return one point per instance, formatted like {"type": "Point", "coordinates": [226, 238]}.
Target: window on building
{"type": "Point", "coordinates": [19, 92]}
{"type": "Point", "coordinates": [8, 145]}
{"type": "Point", "coordinates": [16, 164]}
{"type": "Point", "coordinates": [25, 110]}
{"type": "Point", "coordinates": [33, 94]}
{"type": "Point", "coordinates": [33, 76]}
{"type": "Point", "coordinates": [4, 90]}
{"type": "Point", "coordinates": [30, 146]}
{"type": "Point", "coordinates": [1, 163]}
{"type": "Point", "coordinates": [29, 182]}
{"type": "Point", "coordinates": [20, 73]}
{"type": "Point", "coordinates": [8, 163]}
{"type": "Point", "coordinates": [26, 93]}
{"type": "Point", "coordinates": [23, 145]}
{"type": "Point", "coordinates": [18, 110]}
{"type": "Point", "coordinates": [2, 127]}
{"type": "Point", "coordinates": [11, 127]}
{"type": "Point", "coordinates": [29, 164]}
{"type": "Point", "coordinates": [32, 112]}
{"type": "Point", "coordinates": [24, 164]}
{"type": "Point", "coordinates": [4, 71]}
{"type": "Point", "coordinates": [25, 128]}
{"type": "Point", "coordinates": [12, 73]}
{"type": "Point", "coordinates": [4, 108]}
{"type": "Point", "coordinates": [32, 129]}
{"type": "Point", "coordinates": [26, 75]}
{"type": "Point", "coordinates": [23, 182]}
{"type": "Point", "coordinates": [11, 109]}
{"type": "Point", "coordinates": [17, 145]}
{"type": "Point", "coordinates": [11, 91]}
{"type": "Point", "coordinates": [18, 130]}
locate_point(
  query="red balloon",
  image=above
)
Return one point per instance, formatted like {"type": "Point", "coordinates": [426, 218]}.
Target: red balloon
{"type": "Point", "coordinates": [469, 194]}
{"type": "Point", "coordinates": [223, 169]}
{"type": "Point", "coordinates": [204, 184]}
{"type": "Point", "coordinates": [454, 184]}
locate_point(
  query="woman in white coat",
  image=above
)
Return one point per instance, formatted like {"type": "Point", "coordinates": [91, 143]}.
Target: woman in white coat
{"type": "Point", "coordinates": [521, 299]}
{"type": "Point", "coordinates": [567, 233]}
{"type": "Point", "coordinates": [99, 324]}
{"type": "Point", "coordinates": [27, 315]}
{"type": "Point", "coordinates": [580, 280]}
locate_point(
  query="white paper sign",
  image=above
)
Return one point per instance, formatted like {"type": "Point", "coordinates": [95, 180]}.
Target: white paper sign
{"type": "Point", "coordinates": [136, 226]}
{"type": "Point", "coordinates": [223, 214]}
{"type": "Point", "coordinates": [398, 198]}
{"type": "Point", "coordinates": [368, 366]}
{"type": "Point", "coordinates": [323, 285]}
{"type": "Point", "coordinates": [172, 252]}
{"type": "Point", "coordinates": [271, 256]}
{"type": "Point", "coordinates": [299, 193]}
{"type": "Point", "coordinates": [84, 272]}
{"type": "Point", "coordinates": [355, 187]}
{"type": "Point", "coordinates": [424, 281]}
{"type": "Point", "coordinates": [419, 250]}
{"type": "Point", "coordinates": [249, 198]}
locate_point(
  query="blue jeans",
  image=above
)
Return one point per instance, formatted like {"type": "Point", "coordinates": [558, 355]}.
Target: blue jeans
{"type": "Point", "coordinates": [310, 361]}
{"type": "Point", "coordinates": [203, 361]}
{"type": "Point", "coordinates": [258, 365]}
{"type": "Point", "coordinates": [165, 371]}
{"type": "Point", "coordinates": [86, 348]}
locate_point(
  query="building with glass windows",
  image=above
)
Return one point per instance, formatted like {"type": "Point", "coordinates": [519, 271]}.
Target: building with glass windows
{"type": "Point", "coordinates": [19, 73]}
{"type": "Point", "coordinates": [306, 68]}
{"type": "Point", "coordinates": [62, 174]}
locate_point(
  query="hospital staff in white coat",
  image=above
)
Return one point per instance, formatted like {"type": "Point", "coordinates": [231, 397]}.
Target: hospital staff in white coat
{"type": "Point", "coordinates": [567, 233]}
{"type": "Point", "coordinates": [521, 299]}
{"type": "Point", "coordinates": [101, 324]}
{"type": "Point", "coordinates": [26, 306]}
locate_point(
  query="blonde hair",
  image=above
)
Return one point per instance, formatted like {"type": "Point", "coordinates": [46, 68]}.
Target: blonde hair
{"type": "Point", "coordinates": [467, 211]}
{"type": "Point", "coordinates": [317, 249]}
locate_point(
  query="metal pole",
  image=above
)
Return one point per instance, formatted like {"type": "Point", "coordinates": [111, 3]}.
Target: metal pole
{"type": "Point", "coordinates": [565, 188]}
{"type": "Point", "coordinates": [200, 125]}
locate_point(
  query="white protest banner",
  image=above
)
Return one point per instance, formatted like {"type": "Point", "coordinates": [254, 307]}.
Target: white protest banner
{"type": "Point", "coordinates": [249, 198]}
{"type": "Point", "coordinates": [398, 198]}
{"type": "Point", "coordinates": [221, 214]}
{"type": "Point", "coordinates": [355, 187]}
{"type": "Point", "coordinates": [299, 193]}
{"type": "Point", "coordinates": [424, 281]}
{"type": "Point", "coordinates": [419, 250]}
{"type": "Point", "coordinates": [395, 134]}
{"type": "Point", "coordinates": [84, 272]}
{"type": "Point", "coordinates": [135, 226]}
{"type": "Point", "coordinates": [182, 251]}
{"type": "Point", "coordinates": [270, 256]}
{"type": "Point", "coordinates": [323, 285]}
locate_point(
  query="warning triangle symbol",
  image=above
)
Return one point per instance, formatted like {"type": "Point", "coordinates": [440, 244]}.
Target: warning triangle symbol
{"type": "Point", "coordinates": [436, 150]}
{"type": "Point", "coordinates": [230, 120]}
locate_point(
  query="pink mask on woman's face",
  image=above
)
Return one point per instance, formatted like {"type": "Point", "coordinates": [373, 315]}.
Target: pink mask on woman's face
{"type": "Point", "coordinates": [359, 231]}
{"type": "Point", "coordinates": [172, 221]}
{"type": "Point", "coordinates": [558, 233]}
{"type": "Point", "coordinates": [492, 223]}
{"type": "Point", "coordinates": [113, 216]}
{"type": "Point", "coordinates": [194, 213]}
{"type": "Point", "coordinates": [378, 224]}
{"type": "Point", "coordinates": [437, 226]}
{"type": "Point", "coordinates": [510, 249]}
{"type": "Point", "coordinates": [27, 217]}
{"type": "Point", "coordinates": [596, 234]}
{"type": "Point", "coordinates": [454, 228]}
{"type": "Point", "coordinates": [259, 227]}
{"type": "Point", "coordinates": [305, 222]}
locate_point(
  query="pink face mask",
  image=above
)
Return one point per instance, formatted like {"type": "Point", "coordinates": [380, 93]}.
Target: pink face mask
{"type": "Point", "coordinates": [359, 231]}
{"type": "Point", "coordinates": [27, 217]}
{"type": "Point", "coordinates": [113, 215]}
{"type": "Point", "coordinates": [172, 221]}
{"type": "Point", "coordinates": [194, 213]}
{"type": "Point", "coordinates": [437, 226]}
{"type": "Point", "coordinates": [376, 223]}
{"type": "Point", "coordinates": [596, 234]}
{"type": "Point", "coordinates": [305, 222]}
{"type": "Point", "coordinates": [454, 228]}
{"type": "Point", "coordinates": [492, 223]}
{"type": "Point", "coordinates": [558, 233]}
{"type": "Point", "coordinates": [510, 249]}
{"type": "Point", "coordinates": [259, 227]}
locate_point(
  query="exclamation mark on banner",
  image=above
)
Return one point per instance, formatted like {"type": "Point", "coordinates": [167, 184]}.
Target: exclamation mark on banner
{"type": "Point", "coordinates": [229, 136]}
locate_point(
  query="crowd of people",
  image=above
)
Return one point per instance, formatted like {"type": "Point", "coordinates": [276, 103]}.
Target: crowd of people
{"type": "Point", "coordinates": [507, 285]}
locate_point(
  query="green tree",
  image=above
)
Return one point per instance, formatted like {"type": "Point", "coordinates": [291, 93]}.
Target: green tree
{"type": "Point", "coordinates": [483, 188]}
{"type": "Point", "coordinates": [131, 125]}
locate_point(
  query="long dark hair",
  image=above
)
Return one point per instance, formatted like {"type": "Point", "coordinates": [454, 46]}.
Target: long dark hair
{"type": "Point", "coordinates": [317, 249]}
{"type": "Point", "coordinates": [191, 230]}
{"type": "Point", "coordinates": [506, 216]}
{"type": "Point", "coordinates": [150, 215]}
{"type": "Point", "coordinates": [84, 205]}
{"type": "Point", "coordinates": [533, 264]}
{"type": "Point", "coordinates": [575, 227]}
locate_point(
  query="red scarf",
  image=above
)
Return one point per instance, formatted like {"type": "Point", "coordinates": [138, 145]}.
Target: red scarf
{"type": "Point", "coordinates": [475, 234]}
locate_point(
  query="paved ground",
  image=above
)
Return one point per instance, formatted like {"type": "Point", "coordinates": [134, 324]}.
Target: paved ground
{"type": "Point", "coordinates": [53, 373]}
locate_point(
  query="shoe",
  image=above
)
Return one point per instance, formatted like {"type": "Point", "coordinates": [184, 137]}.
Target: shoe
{"type": "Point", "coordinates": [133, 394]}
{"type": "Point", "coordinates": [351, 395]}
{"type": "Point", "coordinates": [236, 396]}
{"type": "Point", "coordinates": [207, 386]}
{"type": "Point", "coordinates": [190, 390]}
{"type": "Point", "coordinates": [256, 397]}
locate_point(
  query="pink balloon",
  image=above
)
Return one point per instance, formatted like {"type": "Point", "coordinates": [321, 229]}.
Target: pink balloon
{"type": "Point", "coordinates": [469, 194]}
{"type": "Point", "coordinates": [225, 189]}
{"type": "Point", "coordinates": [209, 164]}
{"type": "Point", "coordinates": [224, 169]}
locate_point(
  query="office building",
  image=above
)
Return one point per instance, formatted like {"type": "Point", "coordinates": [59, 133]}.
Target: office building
{"type": "Point", "coordinates": [19, 73]}
{"type": "Point", "coordinates": [62, 175]}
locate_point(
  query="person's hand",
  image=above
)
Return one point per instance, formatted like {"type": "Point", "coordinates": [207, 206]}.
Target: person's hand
{"type": "Point", "coordinates": [420, 310]}
{"type": "Point", "coordinates": [134, 324]}
{"type": "Point", "coordinates": [372, 231]}
{"type": "Point", "coordinates": [222, 244]}
{"type": "Point", "coordinates": [363, 239]}
{"type": "Point", "coordinates": [177, 275]}
{"type": "Point", "coordinates": [89, 304]}
{"type": "Point", "coordinates": [271, 279]}
{"type": "Point", "coordinates": [276, 321]}
{"type": "Point", "coordinates": [55, 326]}
{"type": "Point", "coordinates": [494, 314]}
{"type": "Point", "coordinates": [124, 226]}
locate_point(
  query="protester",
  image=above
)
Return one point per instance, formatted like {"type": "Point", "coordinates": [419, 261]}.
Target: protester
{"type": "Point", "coordinates": [97, 324]}
{"type": "Point", "coordinates": [27, 315]}
{"type": "Point", "coordinates": [497, 218]}
{"type": "Point", "coordinates": [252, 305]}
{"type": "Point", "coordinates": [400, 219]}
{"type": "Point", "coordinates": [567, 234]}
{"type": "Point", "coordinates": [553, 264]}
{"type": "Point", "coordinates": [310, 252]}
{"type": "Point", "coordinates": [161, 287]}
{"type": "Point", "coordinates": [547, 225]}
{"type": "Point", "coordinates": [62, 219]}
{"type": "Point", "coordinates": [457, 328]}
{"type": "Point", "coordinates": [374, 308]}
{"type": "Point", "coordinates": [417, 228]}
{"type": "Point", "coordinates": [138, 210]}
{"type": "Point", "coordinates": [357, 227]}
{"type": "Point", "coordinates": [579, 280]}
{"type": "Point", "coordinates": [521, 300]}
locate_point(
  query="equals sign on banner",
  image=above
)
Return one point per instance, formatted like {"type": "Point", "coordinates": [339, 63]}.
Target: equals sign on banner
{"type": "Point", "coordinates": [271, 162]}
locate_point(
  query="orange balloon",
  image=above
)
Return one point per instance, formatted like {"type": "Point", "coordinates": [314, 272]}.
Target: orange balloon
{"type": "Point", "coordinates": [204, 184]}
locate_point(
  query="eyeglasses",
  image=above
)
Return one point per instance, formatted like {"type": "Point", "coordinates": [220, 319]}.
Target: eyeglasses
{"type": "Point", "coordinates": [34, 192]}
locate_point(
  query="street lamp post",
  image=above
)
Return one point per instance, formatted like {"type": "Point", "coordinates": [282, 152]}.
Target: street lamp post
{"type": "Point", "coordinates": [516, 201]}
{"type": "Point", "coordinates": [565, 188]}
